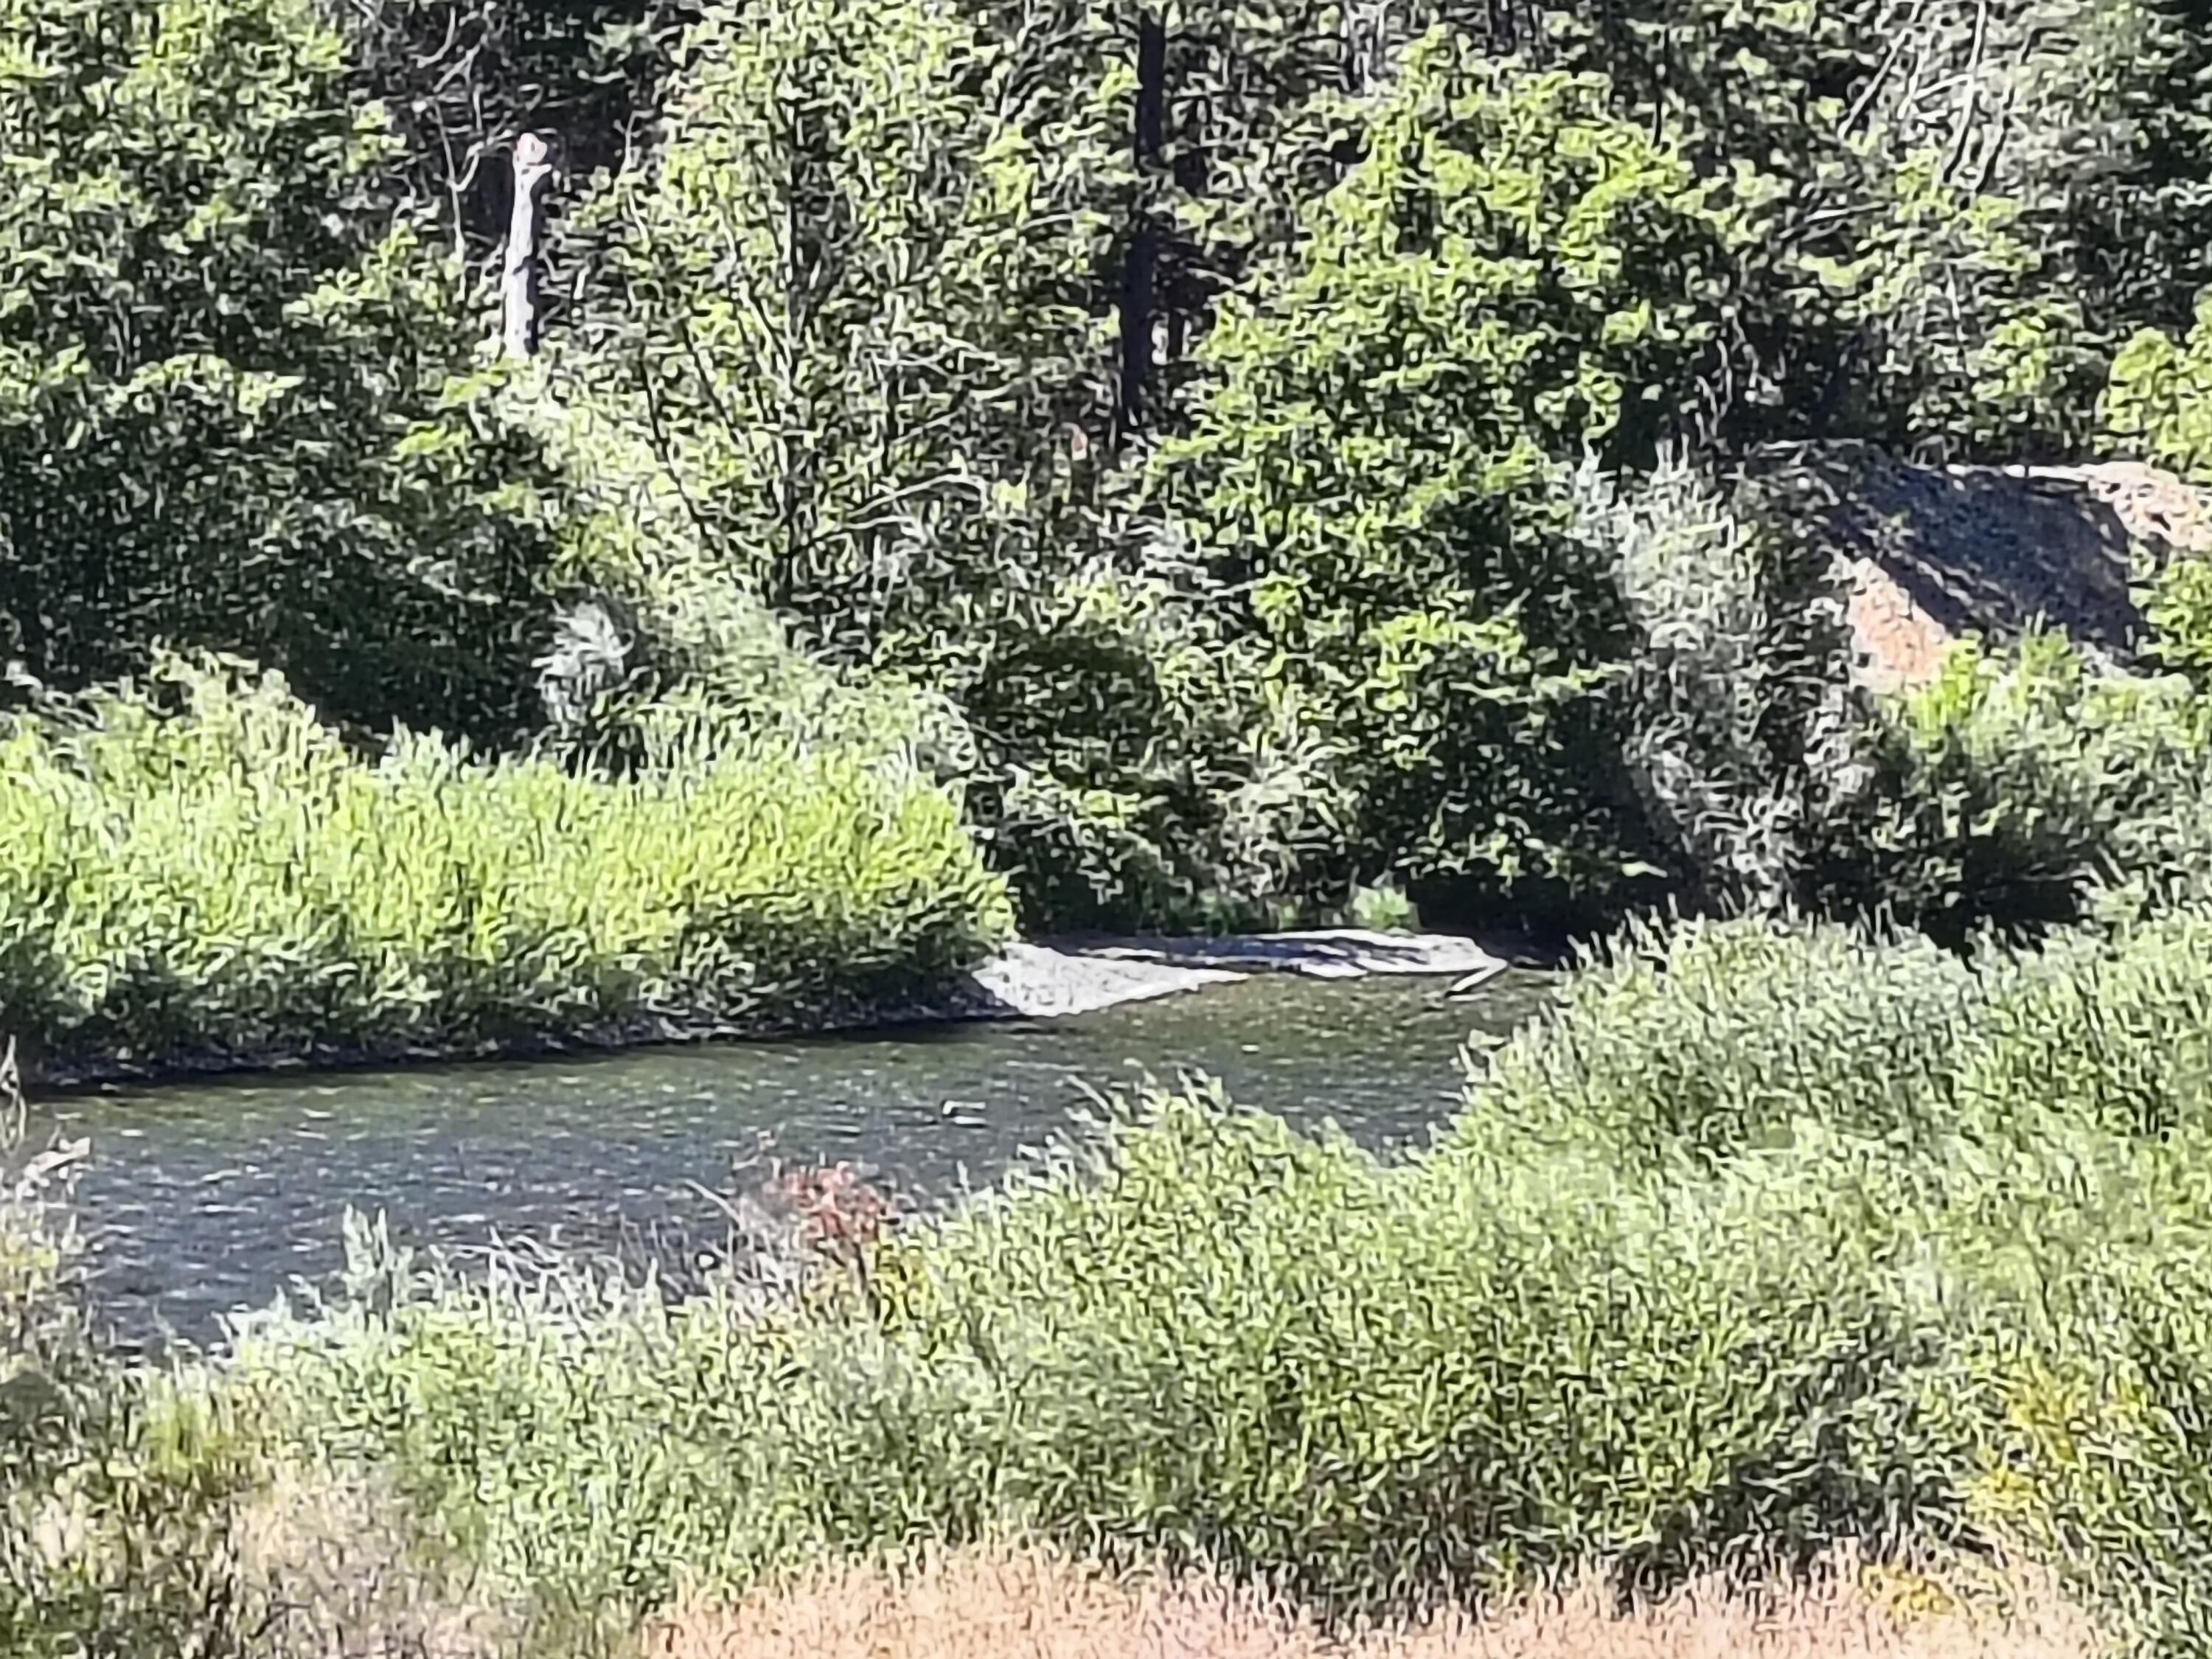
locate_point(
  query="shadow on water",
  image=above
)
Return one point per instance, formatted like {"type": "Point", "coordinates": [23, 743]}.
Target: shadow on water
{"type": "Point", "coordinates": [211, 1196]}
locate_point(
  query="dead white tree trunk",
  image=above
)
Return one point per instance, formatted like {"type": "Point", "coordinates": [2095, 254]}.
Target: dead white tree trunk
{"type": "Point", "coordinates": [519, 282]}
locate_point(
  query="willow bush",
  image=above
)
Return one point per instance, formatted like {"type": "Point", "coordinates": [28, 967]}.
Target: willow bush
{"type": "Point", "coordinates": [1228, 1341]}
{"type": "Point", "coordinates": [1707, 1038]}
{"type": "Point", "coordinates": [1711, 1040]}
{"type": "Point", "coordinates": [2023, 788]}
{"type": "Point", "coordinates": [1773, 1235]}
{"type": "Point", "coordinates": [201, 867]}
{"type": "Point", "coordinates": [2042, 1119]}
{"type": "Point", "coordinates": [1741, 730]}
{"type": "Point", "coordinates": [2081, 1396]}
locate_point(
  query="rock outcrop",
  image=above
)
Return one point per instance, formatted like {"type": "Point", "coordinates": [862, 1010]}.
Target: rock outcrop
{"type": "Point", "coordinates": [1931, 553]}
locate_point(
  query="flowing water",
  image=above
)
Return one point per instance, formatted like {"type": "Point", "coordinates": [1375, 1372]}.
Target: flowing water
{"type": "Point", "coordinates": [207, 1197]}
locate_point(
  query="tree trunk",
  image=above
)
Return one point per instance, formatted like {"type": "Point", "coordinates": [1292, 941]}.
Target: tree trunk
{"type": "Point", "coordinates": [1141, 259]}
{"type": "Point", "coordinates": [519, 282]}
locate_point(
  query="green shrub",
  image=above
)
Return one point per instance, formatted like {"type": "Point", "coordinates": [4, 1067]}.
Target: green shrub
{"type": "Point", "coordinates": [586, 1438]}
{"type": "Point", "coordinates": [2024, 788]}
{"type": "Point", "coordinates": [2158, 400]}
{"type": "Point", "coordinates": [1715, 1037]}
{"type": "Point", "coordinates": [2117, 1035]}
{"type": "Point", "coordinates": [222, 875]}
{"type": "Point", "coordinates": [1383, 909]}
{"type": "Point", "coordinates": [114, 1533]}
{"type": "Point", "coordinates": [1738, 719]}
{"type": "Point", "coordinates": [2079, 1389]}
{"type": "Point", "coordinates": [1235, 1340]}
{"type": "Point", "coordinates": [1376, 431]}
{"type": "Point", "coordinates": [2035, 1128]}
{"type": "Point", "coordinates": [2178, 605]}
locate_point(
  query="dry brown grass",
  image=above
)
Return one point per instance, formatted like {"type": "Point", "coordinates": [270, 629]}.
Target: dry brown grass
{"type": "Point", "coordinates": [330, 1574]}
{"type": "Point", "coordinates": [1008, 1604]}
{"type": "Point", "coordinates": [329, 1570]}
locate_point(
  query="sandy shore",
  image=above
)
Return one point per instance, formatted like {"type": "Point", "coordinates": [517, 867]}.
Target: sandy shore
{"type": "Point", "coordinates": [1077, 976]}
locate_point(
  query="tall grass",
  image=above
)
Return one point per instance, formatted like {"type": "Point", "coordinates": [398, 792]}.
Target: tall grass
{"type": "Point", "coordinates": [207, 870]}
{"type": "Point", "coordinates": [113, 1534]}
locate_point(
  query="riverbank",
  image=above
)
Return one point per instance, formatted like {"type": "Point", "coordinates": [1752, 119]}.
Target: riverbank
{"type": "Point", "coordinates": [1078, 974]}
{"type": "Point", "coordinates": [231, 888]}
{"type": "Point", "coordinates": [205, 1195]}
{"type": "Point", "coordinates": [1768, 1238]}
{"type": "Point", "coordinates": [1059, 978]}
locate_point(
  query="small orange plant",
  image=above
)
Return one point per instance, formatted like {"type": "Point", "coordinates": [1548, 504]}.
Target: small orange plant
{"type": "Point", "coordinates": [840, 1211]}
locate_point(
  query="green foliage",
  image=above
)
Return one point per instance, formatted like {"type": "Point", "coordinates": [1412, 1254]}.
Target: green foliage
{"type": "Point", "coordinates": [857, 327]}
{"type": "Point", "coordinates": [1955, 210]}
{"type": "Point", "coordinates": [854, 290]}
{"type": "Point", "coordinates": [1710, 1037]}
{"type": "Point", "coordinates": [2112, 1035]}
{"type": "Point", "coordinates": [874, 358]}
{"type": "Point", "coordinates": [2158, 402]}
{"type": "Point", "coordinates": [1394, 1379]}
{"type": "Point", "coordinates": [1499, 280]}
{"type": "Point", "coordinates": [1773, 1233]}
{"type": "Point", "coordinates": [668, 640]}
{"type": "Point", "coordinates": [1740, 725]}
{"type": "Point", "coordinates": [2178, 608]}
{"type": "Point", "coordinates": [1233, 1341]}
{"type": "Point", "coordinates": [2158, 405]}
{"type": "Point", "coordinates": [2043, 1120]}
{"type": "Point", "coordinates": [2025, 786]}
{"type": "Point", "coordinates": [837, 454]}
{"type": "Point", "coordinates": [1383, 909]}
{"type": "Point", "coordinates": [208, 871]}
{"type": "Point", "coordinates": [114, 1536]}
{"type": "Point", "coordinates": [238, 405]}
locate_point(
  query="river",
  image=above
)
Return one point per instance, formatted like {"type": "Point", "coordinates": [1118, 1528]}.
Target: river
{"type": "Point", "coordinates": [209, 1196]}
